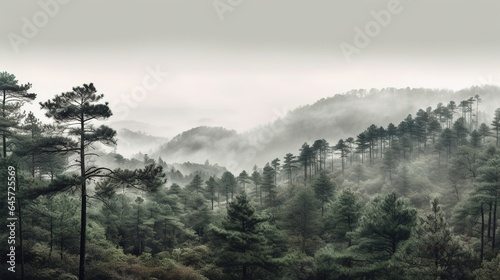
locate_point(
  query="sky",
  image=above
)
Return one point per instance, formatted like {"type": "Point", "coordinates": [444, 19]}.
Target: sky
{"type": "Point", "coordinates": [178, 64]}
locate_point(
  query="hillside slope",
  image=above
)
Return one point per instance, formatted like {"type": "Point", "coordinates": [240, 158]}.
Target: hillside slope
{"type": "Point", "coordinates": [332, 118]}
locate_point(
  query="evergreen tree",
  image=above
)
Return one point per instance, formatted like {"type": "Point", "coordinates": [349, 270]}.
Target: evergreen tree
{"type": "Point", "coordinates": [343, 149]}
{"type": "Point", "coordinates": [385, 224]}
{"type": "Point", "coordinates": [484, 131]}
{"type": "Point", "coordinates": [496, 124]}
{"type": "Point", "coordinates": [256, 179]}
{"type": "Point", "coordinates": [349, 141]}
{"type": "Point", "coordinates": [228, 184]}
{"type": "Point", "coordinates": [197, 216]}
{"type": "Point", "coordinates": [306, 154]}
{"type": "Point", "coordinates": [79, 107]}
{"type": "Point", "coordinates": [267, 185]}
{"type": "Point", "coordinates": [489, 181]}
{"type": "Point", "coordinates": [196, 184]}
{"type": "Point", "coordinates": [382, 134]}
{"type": "Point", "coordinates": [434, 128]}
{"type": "Point", "coordinates": [363, 143]}
{"type": "Point", "coordinates": [391, 132]}
{"type": "Point", "coordinates": [323, 188]}
{"type": "Point", "coordinates": [14, 95]}
{"type": "Point", "coordinates": [211, 190]}
{"type": "Point", "coordinates": [240, 240]}
{"type": "Point", "coordinates": [460, 131]}
{"type": "Point", "coordinates": [243, 179]}
{"type": "Point", "coordinates": [451, 107]}
{"type": "Point", "coordinates": [288, 166]}
{"type": "Point", "coordinates": [343, 215]}
{"type": "Point", "coordinates": [275, 164]}
{"type": "Point", "coordinates": [446, 140]}
{"type": "Point", "coordinates": [475, 139]}
{"type": "Point", "coordinates": [302, 220]}
{"type": "Point", "coordinates": [434, 252]}
{"type": "Point", "coordinates": [372, 135]}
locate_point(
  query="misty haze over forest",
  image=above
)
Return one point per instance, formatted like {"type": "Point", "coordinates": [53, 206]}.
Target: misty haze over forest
{"type": "Point", "coordinates": [262, 139]}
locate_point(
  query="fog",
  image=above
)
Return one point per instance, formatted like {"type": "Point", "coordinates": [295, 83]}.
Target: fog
{"type": "Point", "coordinates": [238, 70]}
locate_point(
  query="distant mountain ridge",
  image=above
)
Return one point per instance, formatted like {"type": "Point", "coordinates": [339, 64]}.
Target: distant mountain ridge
{"type": "Point", "coordinates": [132, 142]}
{"type": "Point", "coordinates": [332, 118]}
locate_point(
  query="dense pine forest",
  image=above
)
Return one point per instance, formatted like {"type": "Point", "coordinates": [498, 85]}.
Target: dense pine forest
{"type": "Point", "coordinates": [414, 199]}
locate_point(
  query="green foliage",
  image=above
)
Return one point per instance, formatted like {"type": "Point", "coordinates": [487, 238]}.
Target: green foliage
{"type": "Point", "coordinates": [211, 190]}
{"type": "Point", "coordinates": [490, 270]}
{"type": "Point", "coordinates": [14, 95]}
{"type": "Point", "coordinates": [289, 166]}
{"type": "Point", "coordinates": [342, 216]}
{"type": "Point", "coordinates": [496, 125]}
{"type": "Point", "coordinates": [385, 223]}
{"type": "Point", "coordinates": [241, 245]}
{"type": "Point", "coordinates": [268, 186]}
{"type": "Point", "coordinates": [195, 184]}
{"type": "Point", "coordinates": [434, 252]}
{"type": "Point", "coordinates": [137, 228]}
{"type": "Point", "coordinates": [228, 184]}
{"type": "Point", "coordinates": [302, 220]}
{"type": "Point", "coordinates": [323, 188]}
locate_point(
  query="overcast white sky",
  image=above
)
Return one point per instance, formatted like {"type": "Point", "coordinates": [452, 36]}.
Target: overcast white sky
{"type": "Point", "coordinates": [263, 58]}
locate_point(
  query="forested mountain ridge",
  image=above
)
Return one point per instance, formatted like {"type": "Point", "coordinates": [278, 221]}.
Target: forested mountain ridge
{"type": "Point", "coordinates": [130, 141]}
{"type": "Point", "coordinates": [415, 198]}
{"type": "Point", "coordinates": [339, 116]}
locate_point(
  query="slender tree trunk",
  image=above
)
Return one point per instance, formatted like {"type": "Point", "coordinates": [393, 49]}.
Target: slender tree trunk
{"type": "Point", "coordinates": [311, 170]}
{"type": "Point", "coordinates": [83, 220]}
{"type": "Point", "coordinates": [381, 148]}
{"type": "Point", "coordinates": [244, 273]}
{"type": "Point", "coordinates": [305, 171]}
{"type": "Point", "coordinates": [332, 160]}
{"type": "Point", "coordinates": [482, 234]}
{"type": "Point", "coordinates": [489, 220]}
{"type": "Point", "coordinates": [493, 240]}
{"type": "Point", "coordinates": [51, 235]}
{"type": "Point", "coordinates": [370, 154]}
{"type": "Point", "coordinates": [320, 161]}
{"type": "Point", "coordinates": [343, 165]}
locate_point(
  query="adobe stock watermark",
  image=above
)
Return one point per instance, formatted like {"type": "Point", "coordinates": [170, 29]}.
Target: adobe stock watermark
{"type": "Point", "coordinates": [363, 37]}
{"type": "Point", "coordinates": [152, 80]}
{"type": "Point", "coordinates": [225, 6]}
{"type": "Point", "coordinates": [31, 26]}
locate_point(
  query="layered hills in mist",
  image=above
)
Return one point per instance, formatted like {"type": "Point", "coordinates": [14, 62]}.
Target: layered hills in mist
{"type": "Point", "coordinates": [333, 118]}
